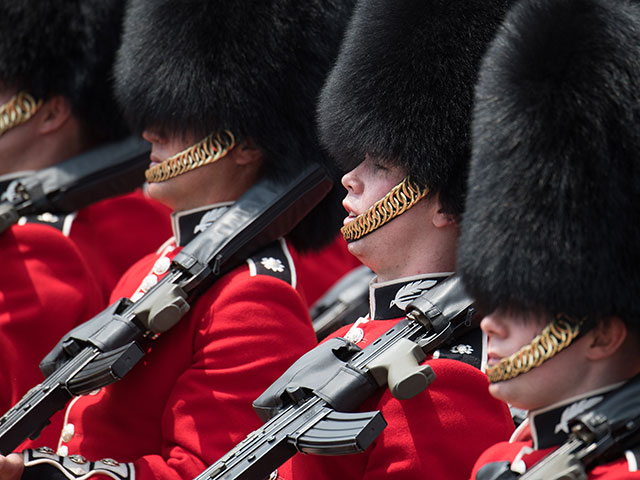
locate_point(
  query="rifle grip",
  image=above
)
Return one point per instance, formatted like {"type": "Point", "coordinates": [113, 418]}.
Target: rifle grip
{"type": "Point", "coordinates": [399, 367]}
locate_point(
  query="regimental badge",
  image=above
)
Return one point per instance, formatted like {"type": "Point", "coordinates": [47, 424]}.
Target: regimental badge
{"type": "Point", "coordinates": [273, 264]}
{"type": "Point", "coordinates": [47, 217]}
{"type": "Point", "coordinates": [410, 292]}
{"type": "Point", "coordinates": [462, 349]}
{"type": "Point", "coordinates": [208, 218]}
{"type": "Point", "coordinates": [574, 410]}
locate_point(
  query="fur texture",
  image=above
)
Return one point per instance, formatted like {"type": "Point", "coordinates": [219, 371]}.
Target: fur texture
{"type": "Point", "coordinates": [551, 220]}
{"type": "Point", "coordinates": [65, 47]}
{"type": "Point", "coordinates": [250, 66]}
{"type": "Point", "coordinates": [402, 88]}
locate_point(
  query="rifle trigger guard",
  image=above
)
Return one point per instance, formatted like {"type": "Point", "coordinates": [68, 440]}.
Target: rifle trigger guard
{"type": "Point", "coordinates": [399, 367]}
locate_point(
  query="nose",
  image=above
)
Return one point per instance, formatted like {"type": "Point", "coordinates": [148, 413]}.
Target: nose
{"type": "Point", "coordinates": [493, 325]}
{"type": "Point", "coordinates": [352, 182]}
{"type": "Point", "coordinates": [153, 136]}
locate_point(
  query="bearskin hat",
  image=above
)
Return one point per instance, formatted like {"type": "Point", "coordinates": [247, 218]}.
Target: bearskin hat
{"type": "Point", "coordinates": [554, 186]}
{"type": "Point", "coordinates": [252, 67]}
{"type": "Point", "coordinates": [402, 88]}
{"type": "Point", "coordinates": [65, 47]}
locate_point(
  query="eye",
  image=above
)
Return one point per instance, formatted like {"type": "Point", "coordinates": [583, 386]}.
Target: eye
{"type": "Point", "coordinates": [380, 166]}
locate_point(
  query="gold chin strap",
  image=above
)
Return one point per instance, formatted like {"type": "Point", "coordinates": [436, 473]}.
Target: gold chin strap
{"type": "Point", "coordinates": [206, 151]}
{"type": "Point", "coordinates": [20, 108]}
{"type": "Point", "coordinates": [400, 199]}
{"type": "Point", "coordinates": [555, 337]}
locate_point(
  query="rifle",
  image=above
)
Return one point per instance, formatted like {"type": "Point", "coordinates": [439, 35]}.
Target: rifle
{"type": "Point", "coordinates": [308, 409]}
{"type": "Point", "coordinates": [597, 436]}
{"type": "Point", "coordinates": [346, 300]}
{"type": "Point", "coordinates": [102, 350]}
{"type": "Point", "coordinates": [109, 170]}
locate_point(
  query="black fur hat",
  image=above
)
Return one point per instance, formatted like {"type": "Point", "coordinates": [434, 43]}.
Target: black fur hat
{"type": "Point", "coordinates": [254, 67]}
{"type": "Point", "coordinates": [402, 88]}
{"type": "Point", "coordinates": [551, 220]}
{"type": "Point", "coordinates": [65, 47]}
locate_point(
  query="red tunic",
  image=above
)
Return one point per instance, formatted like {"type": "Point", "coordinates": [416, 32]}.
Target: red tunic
{"type": "Point", "coordinates": [189, 400]}
{"type": "Point", "coordinates": [319, 271]}
{"type": "Point", "coordinates": [436, 435]}
{"type": "Point", "coordinates": [46, 289]}
{"type": "Point", "coordinates": [620, 469]}
{"type": "Point", "coordinates": [115, 233]}
{"type": "Point", "coordinates": [544, 431]}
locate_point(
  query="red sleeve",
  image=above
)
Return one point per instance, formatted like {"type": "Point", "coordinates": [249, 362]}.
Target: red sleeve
{"type": "Point", "coordinates": [255, 329]}
{"type": "Point", "coordinates": [114, 233]}
{"type": "Point", "coordinates": [46, 289]}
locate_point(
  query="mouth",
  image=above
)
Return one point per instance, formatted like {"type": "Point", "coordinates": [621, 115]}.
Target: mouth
{"type": "Point", "coordinates": [493, 359]}
{"type": "Point", "coordinates": [154, 160]}
{"type": "Point", "coordinates": [351, 214]}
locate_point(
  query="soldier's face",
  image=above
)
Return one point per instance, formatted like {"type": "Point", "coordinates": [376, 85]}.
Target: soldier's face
{"type": "Point", "coordinates": [401, 247]}
{"type": "Point", "coordinates": [559, 378]}
{"type": "Point", "coordinates": [222, 181]}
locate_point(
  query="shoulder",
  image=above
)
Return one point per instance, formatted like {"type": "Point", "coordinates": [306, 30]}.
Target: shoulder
{"type": "Point", "coordinates": [625, 467]}
{"type": "Point", "coordinates": [470, 348]}
{"type": "Point", "coordinates": [61, 222]}
{"type": "Point", "coordinates": [41, 239]}
{"type": "Point", "coordinates": [276, 261]}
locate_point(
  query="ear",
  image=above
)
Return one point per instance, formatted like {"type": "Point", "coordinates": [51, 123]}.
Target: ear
{"type": "Point", "coordinates": [606, 338]}
{"type": "Point", "coordinates": [439, 218]}
{"type": "Point", "coordinates": [247, 153]}
{"type": "Point", "coordinates": [53, 114]}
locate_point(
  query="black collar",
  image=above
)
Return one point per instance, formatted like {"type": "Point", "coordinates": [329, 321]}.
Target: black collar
{"type": "Point", "coordinates": [189, 223]}
{"type": "Point", "coordinates": [388, 300]}
{"type": "Point", "coordinates": [549, 426]}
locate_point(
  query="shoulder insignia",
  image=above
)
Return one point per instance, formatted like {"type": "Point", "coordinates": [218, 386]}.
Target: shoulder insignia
{"type": "Point", "coordinates": [274, 260]}
{"type": "Point", "coordinates": [60, 222]}
{"type": "Point", "coordinates": [468, 349]}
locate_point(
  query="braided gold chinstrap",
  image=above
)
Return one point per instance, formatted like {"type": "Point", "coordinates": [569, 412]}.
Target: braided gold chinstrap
{"type": "Point", "coordinates": [206, 151]}
{"type": "Point", "coordinates": [400, 199]}
{"type": "Point", "coordinates": [555, 337]}
{"type": "Point", "coordinates": [20, 108]}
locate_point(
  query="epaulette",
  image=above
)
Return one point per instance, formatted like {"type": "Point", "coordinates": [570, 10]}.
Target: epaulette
{"type": "Point", "coordinates": [274, 260]}
{"type": "Point", "coordinates": [60, 222]}
{"type": "Point", "coordinates": [469, 348]}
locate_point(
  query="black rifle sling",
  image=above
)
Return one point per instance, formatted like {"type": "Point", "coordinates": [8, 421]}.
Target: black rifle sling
{"type": "Point", "coordinates": [112, 169]}
{"type": "Point", "coordinates": [113, 341]}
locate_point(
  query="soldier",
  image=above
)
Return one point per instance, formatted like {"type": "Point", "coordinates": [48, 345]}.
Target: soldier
{"type": "Point", "coordinates": [226, 90]}
{"type": "Point", "coordinates": [548, 244]}
{"type": "Point", "coordinates": [46, 286]}
{"type": "Point", "coordinates": [395, 111]}
{"type": "Point", "coordinates": [56, 100]}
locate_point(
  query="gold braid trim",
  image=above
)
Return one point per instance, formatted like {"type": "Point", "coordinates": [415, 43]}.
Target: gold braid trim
{"type": "Point", "coordinates": [20, 108]}
{"type": "Point", "coordinates": [400, 199]}
{"type": "Point", "coordinates": [555, 337]}
{"type": "Point", "coordinates": [206, 151]}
